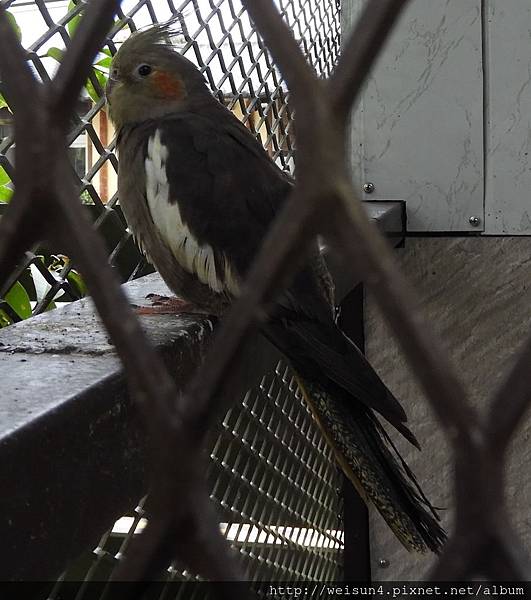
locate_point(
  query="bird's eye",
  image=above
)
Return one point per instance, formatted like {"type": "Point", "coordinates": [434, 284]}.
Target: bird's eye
{"type": "Point", "coordinates": [143, 70]}
{"type": "Point", "coordinates": [114, 73]}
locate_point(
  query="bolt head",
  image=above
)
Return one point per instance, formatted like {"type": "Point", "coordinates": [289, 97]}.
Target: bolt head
{"type": "Point", "coordinates": [384, 563]}
{"type": "Point", "coordinates": [368, 187]}
{"type": "Point", "coordinates": [474, 221]}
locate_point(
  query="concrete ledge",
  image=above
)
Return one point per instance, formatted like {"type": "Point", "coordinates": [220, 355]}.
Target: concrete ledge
{"type": "Point", "coordinates": [71, 448]}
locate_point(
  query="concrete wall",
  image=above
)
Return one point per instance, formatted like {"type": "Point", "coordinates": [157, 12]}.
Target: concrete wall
{"type": "Point", "coordinates": [476, 293]}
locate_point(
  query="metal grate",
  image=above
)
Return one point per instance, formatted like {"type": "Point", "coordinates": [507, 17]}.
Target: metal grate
{"type": "Point", "coordinates": [274, 483]}
{"type": "Point", "coordinates": [272, 469]}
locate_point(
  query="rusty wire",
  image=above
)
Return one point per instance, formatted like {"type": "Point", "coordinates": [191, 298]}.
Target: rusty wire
{"type": "Point", "coordinates": [324, 201]}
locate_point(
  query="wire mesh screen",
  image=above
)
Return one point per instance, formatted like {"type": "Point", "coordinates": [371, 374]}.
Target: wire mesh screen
{"type": "Point", "coordinates": [275, 486]}
{"type": "Point", "coordinates": [219, 38]}
{"type": "Point", "coordinates": [483, 542]}
{"type": "Point", "coordinates": [272, 476]}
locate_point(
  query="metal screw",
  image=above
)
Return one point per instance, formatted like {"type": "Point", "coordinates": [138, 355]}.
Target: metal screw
{"type": "Point", "coordinates": [474, 221]}
{"type": "Point", "coordinates": [368, 187]}
{"type": "Point", "coordinates": [384, 563]}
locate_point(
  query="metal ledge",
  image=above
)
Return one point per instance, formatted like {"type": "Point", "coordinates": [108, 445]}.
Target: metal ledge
{"type": "Point", "coordinates": [391, 219]}
{"type": "Point", "coordinates": [71, 445]}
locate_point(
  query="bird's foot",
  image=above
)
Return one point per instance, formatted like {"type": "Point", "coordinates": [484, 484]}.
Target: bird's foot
{"type": "Point", "coordinates": [167, 305]}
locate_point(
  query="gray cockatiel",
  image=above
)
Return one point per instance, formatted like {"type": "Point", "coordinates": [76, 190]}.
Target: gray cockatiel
{"type": "Point", "coordinates": [199, 193]}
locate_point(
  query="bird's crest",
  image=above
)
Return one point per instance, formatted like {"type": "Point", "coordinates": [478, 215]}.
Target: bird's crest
{"type": "Point", "coordinates": [160, 34]}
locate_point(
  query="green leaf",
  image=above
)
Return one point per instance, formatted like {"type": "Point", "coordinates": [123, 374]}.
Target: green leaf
{"type": "Point", "coordinates": [104, 62]}
{"type": "Point", "coordinates": [4, 177]}
{"type": "Point", "coordinates": [73, 24]}
{"type": "Point", "coordinates": [55, 53]}
{"type": "Point", "coordinates": [102, 71]}
{"type": "Point", "coordinates": [102, 78]}
{"type": "Point", "coordinates": [50, 306]}
{"type": "Point", "coordinates": [3, 102]}
{"type": "Point", "coordinates": [13, 22]}
{"type": "Point", "coordinates": [5, 194]}
{"type": "Point", "coordinates": [5, 191]}
{"type": "Point", "coordinates": [75, 279]}
{"type": "Point", "coordinates": [18, 299]}
{"type": "Point", "coordinates": [91, 90]}
{"type": "Point", "coordinates": [4, 319]}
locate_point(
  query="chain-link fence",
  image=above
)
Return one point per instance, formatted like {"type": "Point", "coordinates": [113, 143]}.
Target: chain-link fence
{"type": "Point", "coordinates": [271, 475]}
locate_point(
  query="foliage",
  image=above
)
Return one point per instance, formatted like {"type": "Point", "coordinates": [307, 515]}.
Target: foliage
{"type": "Point", "coordinates": [18, 297]}
{"type": "Point", "coordinates": [5, 191]}
{"type": "Point", "coordinates": [13, 22]}
{"type": "Point", "coordinates": [99, 72]}
{"type": "Point", "coordinates": [100, 68]}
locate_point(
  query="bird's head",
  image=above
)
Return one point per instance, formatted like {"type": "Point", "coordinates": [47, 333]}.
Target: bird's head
{"type": "Point", "coordinates": [150, 79]}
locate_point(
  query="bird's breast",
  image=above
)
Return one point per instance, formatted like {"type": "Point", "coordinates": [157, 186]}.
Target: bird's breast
{"type": "Point", "coordinates": [198, 259]}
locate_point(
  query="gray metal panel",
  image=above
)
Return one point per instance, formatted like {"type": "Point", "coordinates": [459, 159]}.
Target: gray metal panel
{"type": "Point", "coordinates": [508, 192]}
{"type": "Point", "coordinates": [423, 116]}
{"type": "Point", "coordinates": [350, 13]}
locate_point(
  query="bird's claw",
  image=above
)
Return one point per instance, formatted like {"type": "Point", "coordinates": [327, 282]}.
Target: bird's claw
{"type": "Point", "coordinates": [166, 305]}
{"type": "Point", "coordinates": [158, 299]}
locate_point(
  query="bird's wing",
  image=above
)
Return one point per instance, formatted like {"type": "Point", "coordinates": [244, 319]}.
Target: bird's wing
{"type": "Point", "coordinates": [228, 192]}
{"type": "Point", "coordinates": [321, 353]}
{"type": "Point", "coordinates": [227, 188]}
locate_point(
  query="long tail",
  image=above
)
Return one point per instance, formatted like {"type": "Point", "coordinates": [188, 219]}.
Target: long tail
{"type": "Point", "coordinates": [374, 466]}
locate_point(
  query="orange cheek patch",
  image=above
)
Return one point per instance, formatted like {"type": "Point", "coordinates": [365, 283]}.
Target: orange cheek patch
{"type": "Point", "coordinates": [168, 85]}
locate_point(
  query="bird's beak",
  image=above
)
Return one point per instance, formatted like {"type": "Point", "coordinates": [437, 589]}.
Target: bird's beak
{"type": "Point", "coordinates": [111, 84]}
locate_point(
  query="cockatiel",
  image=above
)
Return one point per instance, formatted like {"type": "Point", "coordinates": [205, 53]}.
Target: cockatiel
{"type": "Point", "coordinates": [199, 193]}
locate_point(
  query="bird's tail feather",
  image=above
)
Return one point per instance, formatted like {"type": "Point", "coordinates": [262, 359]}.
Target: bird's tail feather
{"type": "Point", "coordinates": [373, 464]}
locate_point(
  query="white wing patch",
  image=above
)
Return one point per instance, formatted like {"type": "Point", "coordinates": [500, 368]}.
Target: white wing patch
{"type": "Point", "coordinates": [195, 258]}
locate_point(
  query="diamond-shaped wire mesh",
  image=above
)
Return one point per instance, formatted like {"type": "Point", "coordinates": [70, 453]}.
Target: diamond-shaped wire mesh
{"type": "Point", "coordinates": [484, 543]}
{"type": "Point", "coordinates": [219, 38]}
{"type": "Point", "coordinates": [272, 476]}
